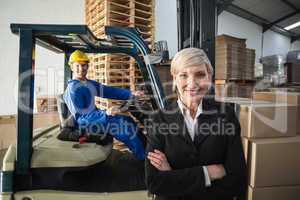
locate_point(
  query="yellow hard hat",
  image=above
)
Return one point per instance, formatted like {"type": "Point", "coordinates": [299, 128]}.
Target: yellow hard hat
{"type": "Point", "coordinates": [78, 56]}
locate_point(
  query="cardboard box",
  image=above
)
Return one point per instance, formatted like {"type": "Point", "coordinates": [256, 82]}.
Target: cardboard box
{"type": "Point", "coordinates": [263, 119]}
{"type": "Point", "coordinates": [8, 136]}
{"type": "Point", "coordinates": [234, 63]}
{"type": "Point", "coordinates": [229, 40]}
{"type": "Point", "coordinates": [245, 143]}
{"type": "Point", "coordinates": [292, 98]}
{"type": "Point", "coordinates": [8, 126]}
{"type": "Point", "coordinates": [274, 193]}
{"type": "Point", "coordinates": [46, 104]}
{"type": "Point", "coordinates": [230, 60]}
{"type": "Point", "coordinates": [267, 120]}
{"type": "Point", "coordinates": [273, 162]}
{"type": "Point", "coordinates": [232, 89]}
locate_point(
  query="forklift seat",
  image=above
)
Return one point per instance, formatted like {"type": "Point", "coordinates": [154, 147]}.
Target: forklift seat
{"type": "Point", "coordinates": [69, 132]}
{"type": "Point", "coordinates": [61, 148]}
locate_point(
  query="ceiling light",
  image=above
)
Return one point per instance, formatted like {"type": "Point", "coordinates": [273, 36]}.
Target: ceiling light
{"type": "Point", "coordinates": [292, 26]}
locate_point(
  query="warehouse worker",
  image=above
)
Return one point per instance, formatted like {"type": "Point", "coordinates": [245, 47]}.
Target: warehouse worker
{"type": "Point", "coordinates": [79, 97]}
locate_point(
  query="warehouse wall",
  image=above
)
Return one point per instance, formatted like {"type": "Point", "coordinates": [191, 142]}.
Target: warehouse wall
{"type": "Point", "coordinates": [273, 43]}
{"type": "Point", "coordinates": [236, 26]}
{"type": "Point", "coordinates": [48, 64]}
{"type": "Point", "coordinates": [295, 45]}
{"type": "Point", "coordinates": [166, 24]}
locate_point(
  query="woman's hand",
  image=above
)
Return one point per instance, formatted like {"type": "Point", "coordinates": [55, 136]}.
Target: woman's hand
{"type": "Point", "coordinates": [216, 171]}
{"type": "Point", "coordinates": [159, 160]}
{"type": "Point", "coordinates": [112, 111]}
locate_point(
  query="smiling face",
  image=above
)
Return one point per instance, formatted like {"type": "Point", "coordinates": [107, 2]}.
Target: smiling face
{"type": "Point", "coordinates": [192, 83]}
{"type": "Point", "coordinates": [79, 70]}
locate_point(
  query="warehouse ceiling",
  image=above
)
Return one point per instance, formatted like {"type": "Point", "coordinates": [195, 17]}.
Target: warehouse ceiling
{"type": "Point", "coordinates": [271, 14]}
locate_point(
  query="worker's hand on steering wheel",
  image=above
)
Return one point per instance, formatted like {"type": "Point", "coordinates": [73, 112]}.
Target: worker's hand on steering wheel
{"type": "Point", "coordinates": [112, 111]}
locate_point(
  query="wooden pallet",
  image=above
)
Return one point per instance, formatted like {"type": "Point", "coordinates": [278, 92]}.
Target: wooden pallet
{"type": "Point", "coordinates": [104, 104]}
{"type": "Point", "coordinates": [124, 13]}
{"type": "Point", "coordinates": [115, 83]}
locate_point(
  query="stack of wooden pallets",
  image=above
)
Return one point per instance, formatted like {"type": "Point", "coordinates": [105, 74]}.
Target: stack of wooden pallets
{"type": "Point", "coordinates": [118, 70]}
{"type": "Point", "coordinates": [112, 70]}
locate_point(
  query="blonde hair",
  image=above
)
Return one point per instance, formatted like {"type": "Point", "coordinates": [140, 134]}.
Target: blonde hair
{"type": "Point", "coordinates": [189, 57]}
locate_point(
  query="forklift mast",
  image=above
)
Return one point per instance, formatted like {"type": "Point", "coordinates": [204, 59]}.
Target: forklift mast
{"type": "Point", "coordinates": [197, 25]}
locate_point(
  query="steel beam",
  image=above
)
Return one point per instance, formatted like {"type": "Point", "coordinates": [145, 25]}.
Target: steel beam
{"type": "Point", "coordinates": [295, 38]}
{"type": "Point", "coordinates": [290, 4]}
{"type": "Point", "coordinates": [256, 19]}
{"type": "Point", "coordinates": [25, 103]}
{"type": "Point", "coordinates": [268, 26]}
{"type": "Point", "coordinates": [222, 5]}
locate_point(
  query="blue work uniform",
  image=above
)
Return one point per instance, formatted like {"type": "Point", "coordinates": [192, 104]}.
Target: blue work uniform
{"type": "Point", "coordinates": [80, 99]}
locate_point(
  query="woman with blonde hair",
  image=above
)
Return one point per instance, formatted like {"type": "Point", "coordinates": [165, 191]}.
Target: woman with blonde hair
{"type": "Point", "coordinates": [194, 147]}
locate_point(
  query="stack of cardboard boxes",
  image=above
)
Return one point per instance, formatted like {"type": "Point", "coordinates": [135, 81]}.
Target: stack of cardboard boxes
{"type": "Point", "coordinates": [230, 57]}
{"type": "Point", "coordinates": [271, 146]}
{"type": "Point", "coordinates": [234, 66]}
{"type": "Point", "coordinates": [46, 104]}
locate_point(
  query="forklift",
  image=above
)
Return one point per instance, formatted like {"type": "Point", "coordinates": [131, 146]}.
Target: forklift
{"type": "Point", "coordinates": [51, 163]}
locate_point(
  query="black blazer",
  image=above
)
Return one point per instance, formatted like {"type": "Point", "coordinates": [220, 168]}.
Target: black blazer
{"type": "Point", "coordinates": [217, 141]}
